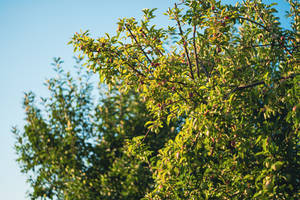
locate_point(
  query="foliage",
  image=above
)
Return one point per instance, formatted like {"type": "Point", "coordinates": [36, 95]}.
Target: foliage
{"type": "Point", "coordinates": [231, 75]}
{"type": "Point", "coordinates": [73, 147]}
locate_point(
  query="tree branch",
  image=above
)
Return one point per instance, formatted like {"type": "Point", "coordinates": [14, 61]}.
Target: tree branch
{"type": "Point", "coordinates": [196, 56]}
{"type": "Point", "coordinates": [267, 29]}
{"type": "Point", "coordinates": [153, 48]}
{"type": "Point", "coordinates": [145, 136]}
{"type": "Point", "coordinates": [239, 88]}
{"type": "Point", "coordinates": [129, 30]}
{"type": "Point", "coordinates": [278, 39]}
{"type": "Point", "coordinates": [132, 67]}
{"type": "Point", "coordinates": [195, 51]}
{"type": "Point", "coordinates": [254, 22]}
{"type": "Point", "coordinates": [185, 46]}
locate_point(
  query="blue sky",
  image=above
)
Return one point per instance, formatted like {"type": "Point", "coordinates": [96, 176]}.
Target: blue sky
{"type": "Point", "coordinates": [32, 33]}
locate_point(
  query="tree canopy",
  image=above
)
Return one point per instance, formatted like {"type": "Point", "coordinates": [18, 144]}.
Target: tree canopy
{"type": "Point", "coordinates": [228, 77]}
{"type": "Point", "coordinates": [74, 147]}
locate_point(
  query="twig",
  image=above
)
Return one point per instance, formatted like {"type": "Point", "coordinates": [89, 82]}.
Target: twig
{"type": "Point", "coordinates": [259, 14]}
{"type": "Point", "coordinates": [196, 57]}
{"type": "Point", "coordinates": [186, 101]}
{"type": "Point", "coordinates": [138, 43]}
{"type": "Point", "coordinates": [239, 88]}
{"type": "Point", "coordinates": [132, 67]}
{"type": "Point", "coordinates": [145, 135]}
{"type": "Point", "coordinates": [259, 45]}
{"type": "Point", "coordinates": [266, 45]}
{"type": "Point", "coordinates": [267, 29]}
{"type": "Point", "coordinates": [184, 45]}
{"type": "Point", "coordinates": [152, 46]}
{"type": "Point", "coordinates": [141, 63]}
{"type": "Point", "coordinates": [278, 39]}
{"type": "Point", "coordinates": [179, 82]}
{"type": "Point", "coordinates": [159, 51]}
{"type": "Point", "coordinates": [285, 48]}
{"type": "Point", "coordinates": [254, 22]}
{"type": "Point", "coordinates": [195, 51]}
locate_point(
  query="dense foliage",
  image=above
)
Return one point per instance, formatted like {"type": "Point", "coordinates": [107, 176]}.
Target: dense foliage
{"type": "Point", "coordinates": [225, 79]}
{"type": "Point", "coordinates": [231, 74]}
{"type": "Point", "coordinates": [74, 147]}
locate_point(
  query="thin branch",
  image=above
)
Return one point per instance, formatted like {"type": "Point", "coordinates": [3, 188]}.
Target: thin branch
{"type": "Point", "coordinates": [278, 39]}
{"type": "Point", "coordinates": [195, 51]}
{"type": "Point", "coordinates": [138, 43]}
{"type": "Point", "coordinates": [170, 81]}
{"type": "Point", "coordinates": [273, 45]}
{"type": "Point", "coordinates": [173, 102]}
{"type": "Point", "coordinates": [145, 35]}
{"type": "Point", "coordinates": [259, 14]}
{"type": "Point", "coordinates": [267, 29]}
{"type": "Point", "coordinates": [186, 101]}
{"type": "Point", "coordinates": [196, 57]}
{"type": "Point", "coordinates": [141, 63]}
{"type": "Point", "coordinates": [285, 47]}
{"type": "Point", "coordinates": [239, 88]}
{"type": "Point", "coordinates": [145, 136]}
{"type": "Point", "coordinates": [184, 45]}
{"type": "Point", "coordinates": [178, 82]}
{"type": "Point", "coordinates": [117, 54]}
{"type": "Point", "coordinates": [254, 22]}
{"type": "Point", "coordinates": [132, 67]}
{"type": "Point", "coordinates": [259, 45]}
{"type": "Point", "coordinates": [159, 51]}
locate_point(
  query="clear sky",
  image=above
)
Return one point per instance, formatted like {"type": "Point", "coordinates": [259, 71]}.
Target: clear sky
{"type": "Point", "coordinates": [32, 33]}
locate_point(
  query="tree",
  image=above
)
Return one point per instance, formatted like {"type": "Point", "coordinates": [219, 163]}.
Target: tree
{"type": "Point", "coordinates": [74, 147]}
{"type": "Point", "coordinates": [231, 75]}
